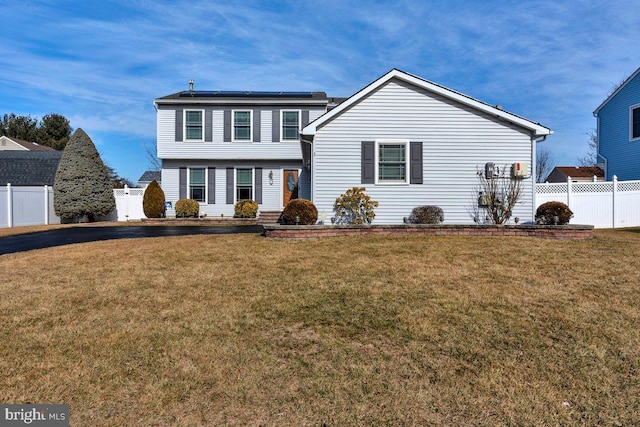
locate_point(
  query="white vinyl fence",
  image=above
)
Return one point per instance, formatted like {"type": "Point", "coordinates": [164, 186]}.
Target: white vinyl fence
{"type": "Point", "coordinates": [21, 206]}
{"type": "Point", "coordinates": [609, 204]}
{"type": "Point", "coordinates": [129, 203]}
{"type": "Point", "coordinates": [26, 206]}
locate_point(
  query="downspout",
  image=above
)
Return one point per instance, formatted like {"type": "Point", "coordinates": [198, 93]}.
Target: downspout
{"type": "Point", "coordinates": [534, 149]}
{"type": "Point", "coordinates": [606, 161]}
{"type": "Point", "coordinates": [311, 180]}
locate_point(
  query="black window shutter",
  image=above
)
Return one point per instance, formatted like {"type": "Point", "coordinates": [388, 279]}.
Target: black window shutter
{"type": "Point", "coordinates": [275, 126]}
{"type": "Point", "coordinates": [208, 118]}
{"type": "Point", "coordinates": [256, 125]}
{"type": "Point", "coordinates": [258, 172]}
{"type": "Point", "coordinates": [179, 125]}
{"type": "Point", "coordinates": [182, 191]}
{"type": "Point", "coordinates": [211, 186]}
{"type": "Point", "coordinates": [368, 162]}
{"type": "Point", "coordinates": [415, 176]}
{"type": "Point", "coordinates": [227, 125]}
{"type": "Point", "coordinates": [230, 186]}
{"type": "Point", "coordinates": [305, 118]}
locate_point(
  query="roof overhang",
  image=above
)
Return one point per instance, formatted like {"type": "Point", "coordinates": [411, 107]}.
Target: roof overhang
{"type": "Point", "coordinates": [536, 129]}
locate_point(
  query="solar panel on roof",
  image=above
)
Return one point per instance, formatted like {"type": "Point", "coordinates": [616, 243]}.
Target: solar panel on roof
{"type": "Point", "coordinates": [247, 94]}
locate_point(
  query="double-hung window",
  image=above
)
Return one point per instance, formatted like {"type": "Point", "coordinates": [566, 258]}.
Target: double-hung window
{"type": "Point", "coordinates": [197, 184]}
{"type": "Point", "coordinates": [635, 122]}
{"type": "Point", "coordinates": [242, 125]}
{"type": "Point", "coordinates": [244, 184]}
{"type": "Point", "coordinates": [290, 125]}
{"type": "Point", "coordinates": [392, 162]}
{"type": "Point", "coordinates": [193, 125]}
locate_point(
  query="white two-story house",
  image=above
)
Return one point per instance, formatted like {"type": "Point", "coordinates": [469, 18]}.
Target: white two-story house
{"type": "Point", "coordinates": [409, 141]}
{"type": "Point", "coordinates": [218, 147]}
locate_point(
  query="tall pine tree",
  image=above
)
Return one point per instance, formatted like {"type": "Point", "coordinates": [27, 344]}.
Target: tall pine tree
{"type": "Point", "coordinates": [82, 186]}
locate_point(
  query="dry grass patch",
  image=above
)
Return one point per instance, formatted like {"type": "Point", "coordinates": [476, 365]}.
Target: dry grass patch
{"type": "Point", "coordinates": [241, 330]}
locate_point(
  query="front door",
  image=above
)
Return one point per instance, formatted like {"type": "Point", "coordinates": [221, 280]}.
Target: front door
{"type": "Point", "coordinates": [289, 185]}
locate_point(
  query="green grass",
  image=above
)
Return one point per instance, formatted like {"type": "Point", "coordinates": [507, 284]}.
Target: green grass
{"type": "Point", "coordinates": [241, 330]}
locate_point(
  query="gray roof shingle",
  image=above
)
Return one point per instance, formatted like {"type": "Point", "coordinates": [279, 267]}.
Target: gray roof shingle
{"type": "Point", "coordinates": [22, 168]}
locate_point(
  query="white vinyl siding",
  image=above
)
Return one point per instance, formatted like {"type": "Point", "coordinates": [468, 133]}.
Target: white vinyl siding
{"type": "Point", "coordinates": [456, 141]}
{"type": "Point", "coordinates": [169, 148]}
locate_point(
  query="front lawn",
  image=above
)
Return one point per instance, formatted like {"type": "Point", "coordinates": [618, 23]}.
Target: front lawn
{"type": "Point", "coordinates": [409, 330]}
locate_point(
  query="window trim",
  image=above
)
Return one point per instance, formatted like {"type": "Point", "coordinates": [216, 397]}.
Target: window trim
{"type": "Point", "coordinates": [282, 125]}
{"type": "Point", "coordinates": [184, 125]}
{"type": "Point", "coordinates": [206, 183]}
{"type": "Point", "coordinates": [235, 183]}
{"type": "Point", "coordinates": [631, 110]}
{"type": "Point", "coordinates": [407, 162]}
{"type": "Point", "coordinates": [233, 126]}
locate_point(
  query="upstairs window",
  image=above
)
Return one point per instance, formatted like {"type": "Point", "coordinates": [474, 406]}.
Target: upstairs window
{"type": "Point", "coordinates": [193, 125]}
{"type": "Point", "coordinates": [290, 125]}
{"type": "Point", "coordinates": [242, 125]}
{"type": "Point", "coordinates": [635, 122]}
{"type": "Point", "coordinates": [197, 184]}
{"type": "Point", "coordinates": [392, 162]}
{"type": "Point", "coordinates": [244, 184]}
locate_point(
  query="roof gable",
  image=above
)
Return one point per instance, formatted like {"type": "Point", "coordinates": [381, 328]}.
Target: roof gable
{"type": "Point", "coordinates": [615, 92]}
{"type": "Point", "coordinates": [580, 171]}
{"type": "Point", "coordinates": [535, 128]}
{"type": "Point", "coordinates": [26, 145]}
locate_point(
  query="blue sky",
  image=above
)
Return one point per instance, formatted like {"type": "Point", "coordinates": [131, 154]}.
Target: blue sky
{"type": "Point", "coordinates": [102, 63]}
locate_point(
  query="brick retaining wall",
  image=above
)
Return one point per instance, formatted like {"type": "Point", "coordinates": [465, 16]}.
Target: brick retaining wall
{"type": "Point", "coordinates": [313, 231]}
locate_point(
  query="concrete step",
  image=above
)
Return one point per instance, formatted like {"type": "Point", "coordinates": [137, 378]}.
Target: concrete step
{"type": "Point", "coordinates": [270, 217]}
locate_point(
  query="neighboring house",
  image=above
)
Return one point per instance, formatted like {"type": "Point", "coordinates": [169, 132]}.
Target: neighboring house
{"type": "Point", "coordinates": [577, 174]}
{"type": "Point", "coordinates": [29, 168]}
{"type": "Point", "coordinates": [619, 131]}
{"type": "Point", "coordinates": [149, 176]}
{"type": "Point", "coordinates": [15, 144]}
{"type": "Point", "coordinates": [409, 141]}
{"type": "Point", "coordinates": [219, 147]}
{"type": "Point", "coordinates": [412, 142]}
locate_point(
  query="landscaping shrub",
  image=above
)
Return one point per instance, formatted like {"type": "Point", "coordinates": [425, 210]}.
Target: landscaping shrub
{"type": "Point", "coordinates": [246, 208]}
{"type": "Point", "coordinates": [81, 188]}
{"type": "Point", "coordinates": [426, 215]}
{"type": "Point", "coordinates": [187, 208]}
{"type": "Point", "coordinates": [305, 210]}
{"type": "Point", "coordinates": [153, 201]}
{"type": "Point", "coordinates": [547, 211]}
{"type": "Point", "coordinates": [354, 207]}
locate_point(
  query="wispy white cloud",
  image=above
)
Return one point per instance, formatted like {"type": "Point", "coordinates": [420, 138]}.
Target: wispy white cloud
{"type": "Point", "coordinates": [102, 63]}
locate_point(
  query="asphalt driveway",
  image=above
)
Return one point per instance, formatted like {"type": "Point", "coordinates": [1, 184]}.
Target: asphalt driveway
{"type": "Point", "coordinates": [67, 236]}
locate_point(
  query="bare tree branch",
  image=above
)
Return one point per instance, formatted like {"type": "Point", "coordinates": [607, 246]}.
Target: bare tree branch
{"type": "Point", "coordinates": [591, 158]}
{"type": "Point", "coordinates": [544, 164]}
{"type": "Point", "coordinates": [155, 164]}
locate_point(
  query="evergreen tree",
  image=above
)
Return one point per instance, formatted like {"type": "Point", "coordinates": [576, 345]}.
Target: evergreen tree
{"type": "Point", "coordinates": [54, 131]}
{"type": "Point", "coordinates": [81, 186]}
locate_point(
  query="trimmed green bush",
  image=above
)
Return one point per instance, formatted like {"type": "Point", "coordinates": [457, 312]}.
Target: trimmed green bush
{"type": "Point", "coordinates": [546, 213]}
{"type": "Point", "coordinates": [187, 208]}
{"type": "Point", "coordinates": [246, 208]}
{"type": "Point", "coordinates": [426, 215]}
{"type": "Point", "coordinates": [354, 207]}
{"type": "Point", "coordinates": [153, 201]}
{"type": "Point", "coordinates": [304, 209]}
